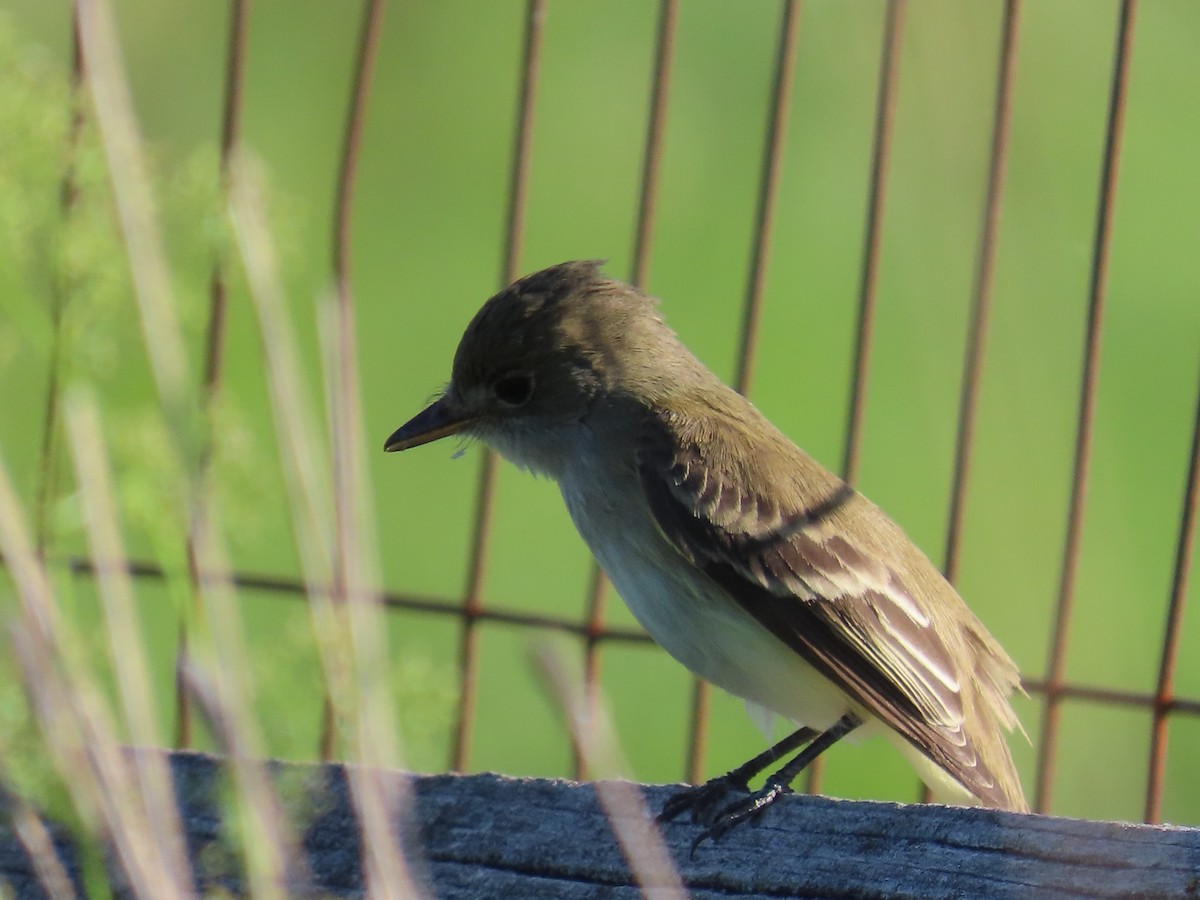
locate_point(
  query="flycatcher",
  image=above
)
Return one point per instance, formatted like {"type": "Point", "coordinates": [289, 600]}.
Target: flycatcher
{"type": "Point", "coordinates": [748, 561]}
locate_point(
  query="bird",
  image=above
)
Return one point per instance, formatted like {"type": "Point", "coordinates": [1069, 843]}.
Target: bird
{"type": "Point", "coordinates": [748, 561]}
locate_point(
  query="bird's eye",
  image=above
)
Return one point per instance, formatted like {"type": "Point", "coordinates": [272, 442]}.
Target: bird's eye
{"type": "Point", "coordinates": [514, 390]}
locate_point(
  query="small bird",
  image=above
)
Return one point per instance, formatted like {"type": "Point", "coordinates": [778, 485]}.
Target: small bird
{"type": "Point", "coordinates": [742, 556]}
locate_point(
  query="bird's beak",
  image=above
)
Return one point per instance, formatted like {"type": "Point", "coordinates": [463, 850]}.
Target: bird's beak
{"type": "Point", "coordinates": [435, 421]}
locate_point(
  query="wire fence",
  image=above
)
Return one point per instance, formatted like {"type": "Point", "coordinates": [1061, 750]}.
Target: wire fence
{"type": "Point", "coordinates": [473, 609]}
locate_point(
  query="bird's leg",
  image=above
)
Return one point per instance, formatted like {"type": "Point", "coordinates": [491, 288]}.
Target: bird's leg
{"type": "Point", "coordinates": [779, 783]}
{"type": "Point", "coordinates": [705, 800]}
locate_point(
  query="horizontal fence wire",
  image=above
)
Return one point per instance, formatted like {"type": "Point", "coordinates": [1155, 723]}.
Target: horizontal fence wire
{"type": "Point", "coordinates": [291, 586]}
{"type": "Point", "coordinates": [474, 609]}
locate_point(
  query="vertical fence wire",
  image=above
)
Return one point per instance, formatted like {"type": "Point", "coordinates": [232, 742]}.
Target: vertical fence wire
{"type": "Point", "coordinates": [885, 108]}
{"type": "Point", "coordinates": [385, 868]}
{"type": "Point", "coordinates": [27, 824]}
{"type": "Point", "coordinates": [231, 125]}
{"type": "Point", "coordinates": [68, 194]}
{"type": "Point", "coordinates": [981, 295]}
{"type": "Point", "coordinates": [1097, 289]}
{"type": "Point", "coordinates": [594, 633]}
{"type": "Point", "coordinates": [214, 347]}
{"type": "Point", "coordinates": [768, 188]}
{"type": "Point", "coordinates": [640, 268]}
{"type": "Point", "coordinates": [485, 492]}
{"type": "Point", "coordinates": [1164, 694]}
{"type": "Point", "coordinates": [664, 58]}
{"type": "Point", "coordinates": [985, 269]}
{"type": "Point", "coordinates": [345, 489]}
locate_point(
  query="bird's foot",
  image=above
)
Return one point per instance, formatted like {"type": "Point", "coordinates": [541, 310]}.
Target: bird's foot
{"type": "Point", "coordinates": [706, 802]}
{"type": "Point", "coordinates": [748, 808]}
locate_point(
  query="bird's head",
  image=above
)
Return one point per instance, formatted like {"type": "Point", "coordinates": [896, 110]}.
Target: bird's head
{"type": "Point", "coordinates": [536, 359]}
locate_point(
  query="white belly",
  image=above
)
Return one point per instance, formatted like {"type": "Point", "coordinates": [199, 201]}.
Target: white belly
{"type": "Point", "coordinates": [696, 622]}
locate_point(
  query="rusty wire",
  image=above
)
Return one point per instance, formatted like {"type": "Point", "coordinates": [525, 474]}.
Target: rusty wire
{"type": "Point", "coordinates": [68, 193]}
{"type": "Point", "coordinates": [768, 188]}
{"type": "Point", "coordinates": [344, 397]}
{"type": "Point", "coordinates": [214, 347]}
{"type": "Point", "coordinates": [474, 609]}
{"type": "Point", "coordinates": [1164, 695]}
{"type": "Point", "coordinates": [472, 606]}
{"type": "Point", "coordinates": [30, 830]}
{"type": "Point", "coordinates": [439, 606]}
{"type": "Point", "coordinates": [231, 126]}
{"type": "Point", "coordinates": [985, 269]}
{"type": "Point", "coordinates": [981, 294]}
{"type": "Point", "coordinates": [885, 109]}
{"type": "Point", "coordinates": [1097, 290]}
{"type": "Point", "coordinates": [656, 125]}
{"type": "Point", "coordinates": [664, 57]}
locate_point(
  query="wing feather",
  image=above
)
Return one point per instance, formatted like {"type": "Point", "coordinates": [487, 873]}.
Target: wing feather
{"type": "Point", "coordinates": [797, 568]}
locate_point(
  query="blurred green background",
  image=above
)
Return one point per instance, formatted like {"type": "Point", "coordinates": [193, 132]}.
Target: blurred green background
{"type": "Point", "coordinates": [428, 230]}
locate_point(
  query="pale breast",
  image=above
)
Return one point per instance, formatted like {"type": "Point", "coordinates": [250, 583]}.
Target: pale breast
{"type": "Point", "coordinates": [687, 614]}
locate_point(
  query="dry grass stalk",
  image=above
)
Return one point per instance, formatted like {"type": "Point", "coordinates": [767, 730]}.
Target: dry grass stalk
{"type": "Point", "coordinates": [79, 737]}
{"type": "Point", "coordinates": [343, 598]}
{"type": "Point", "coordinates": [595, 739]}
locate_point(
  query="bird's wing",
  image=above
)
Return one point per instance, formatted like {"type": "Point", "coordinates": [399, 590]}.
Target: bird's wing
{"type": "Point", "coordinates": [782, 550]}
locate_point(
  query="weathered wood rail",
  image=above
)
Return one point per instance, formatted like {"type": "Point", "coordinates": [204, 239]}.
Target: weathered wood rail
{"type": "Point", "coordinates": [492, 836]}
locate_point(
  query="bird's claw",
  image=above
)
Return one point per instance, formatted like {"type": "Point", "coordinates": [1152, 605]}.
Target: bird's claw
{"type": "Point", "coordinates": [705, 801]}
{"type": "Point", "coordinates": [748, 808]}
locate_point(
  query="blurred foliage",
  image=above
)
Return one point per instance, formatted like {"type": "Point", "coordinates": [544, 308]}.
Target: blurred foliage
{"type": "Point", "coordinates": [429, 223]}
{"type": "Point", "coordinates": [65, 300]}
